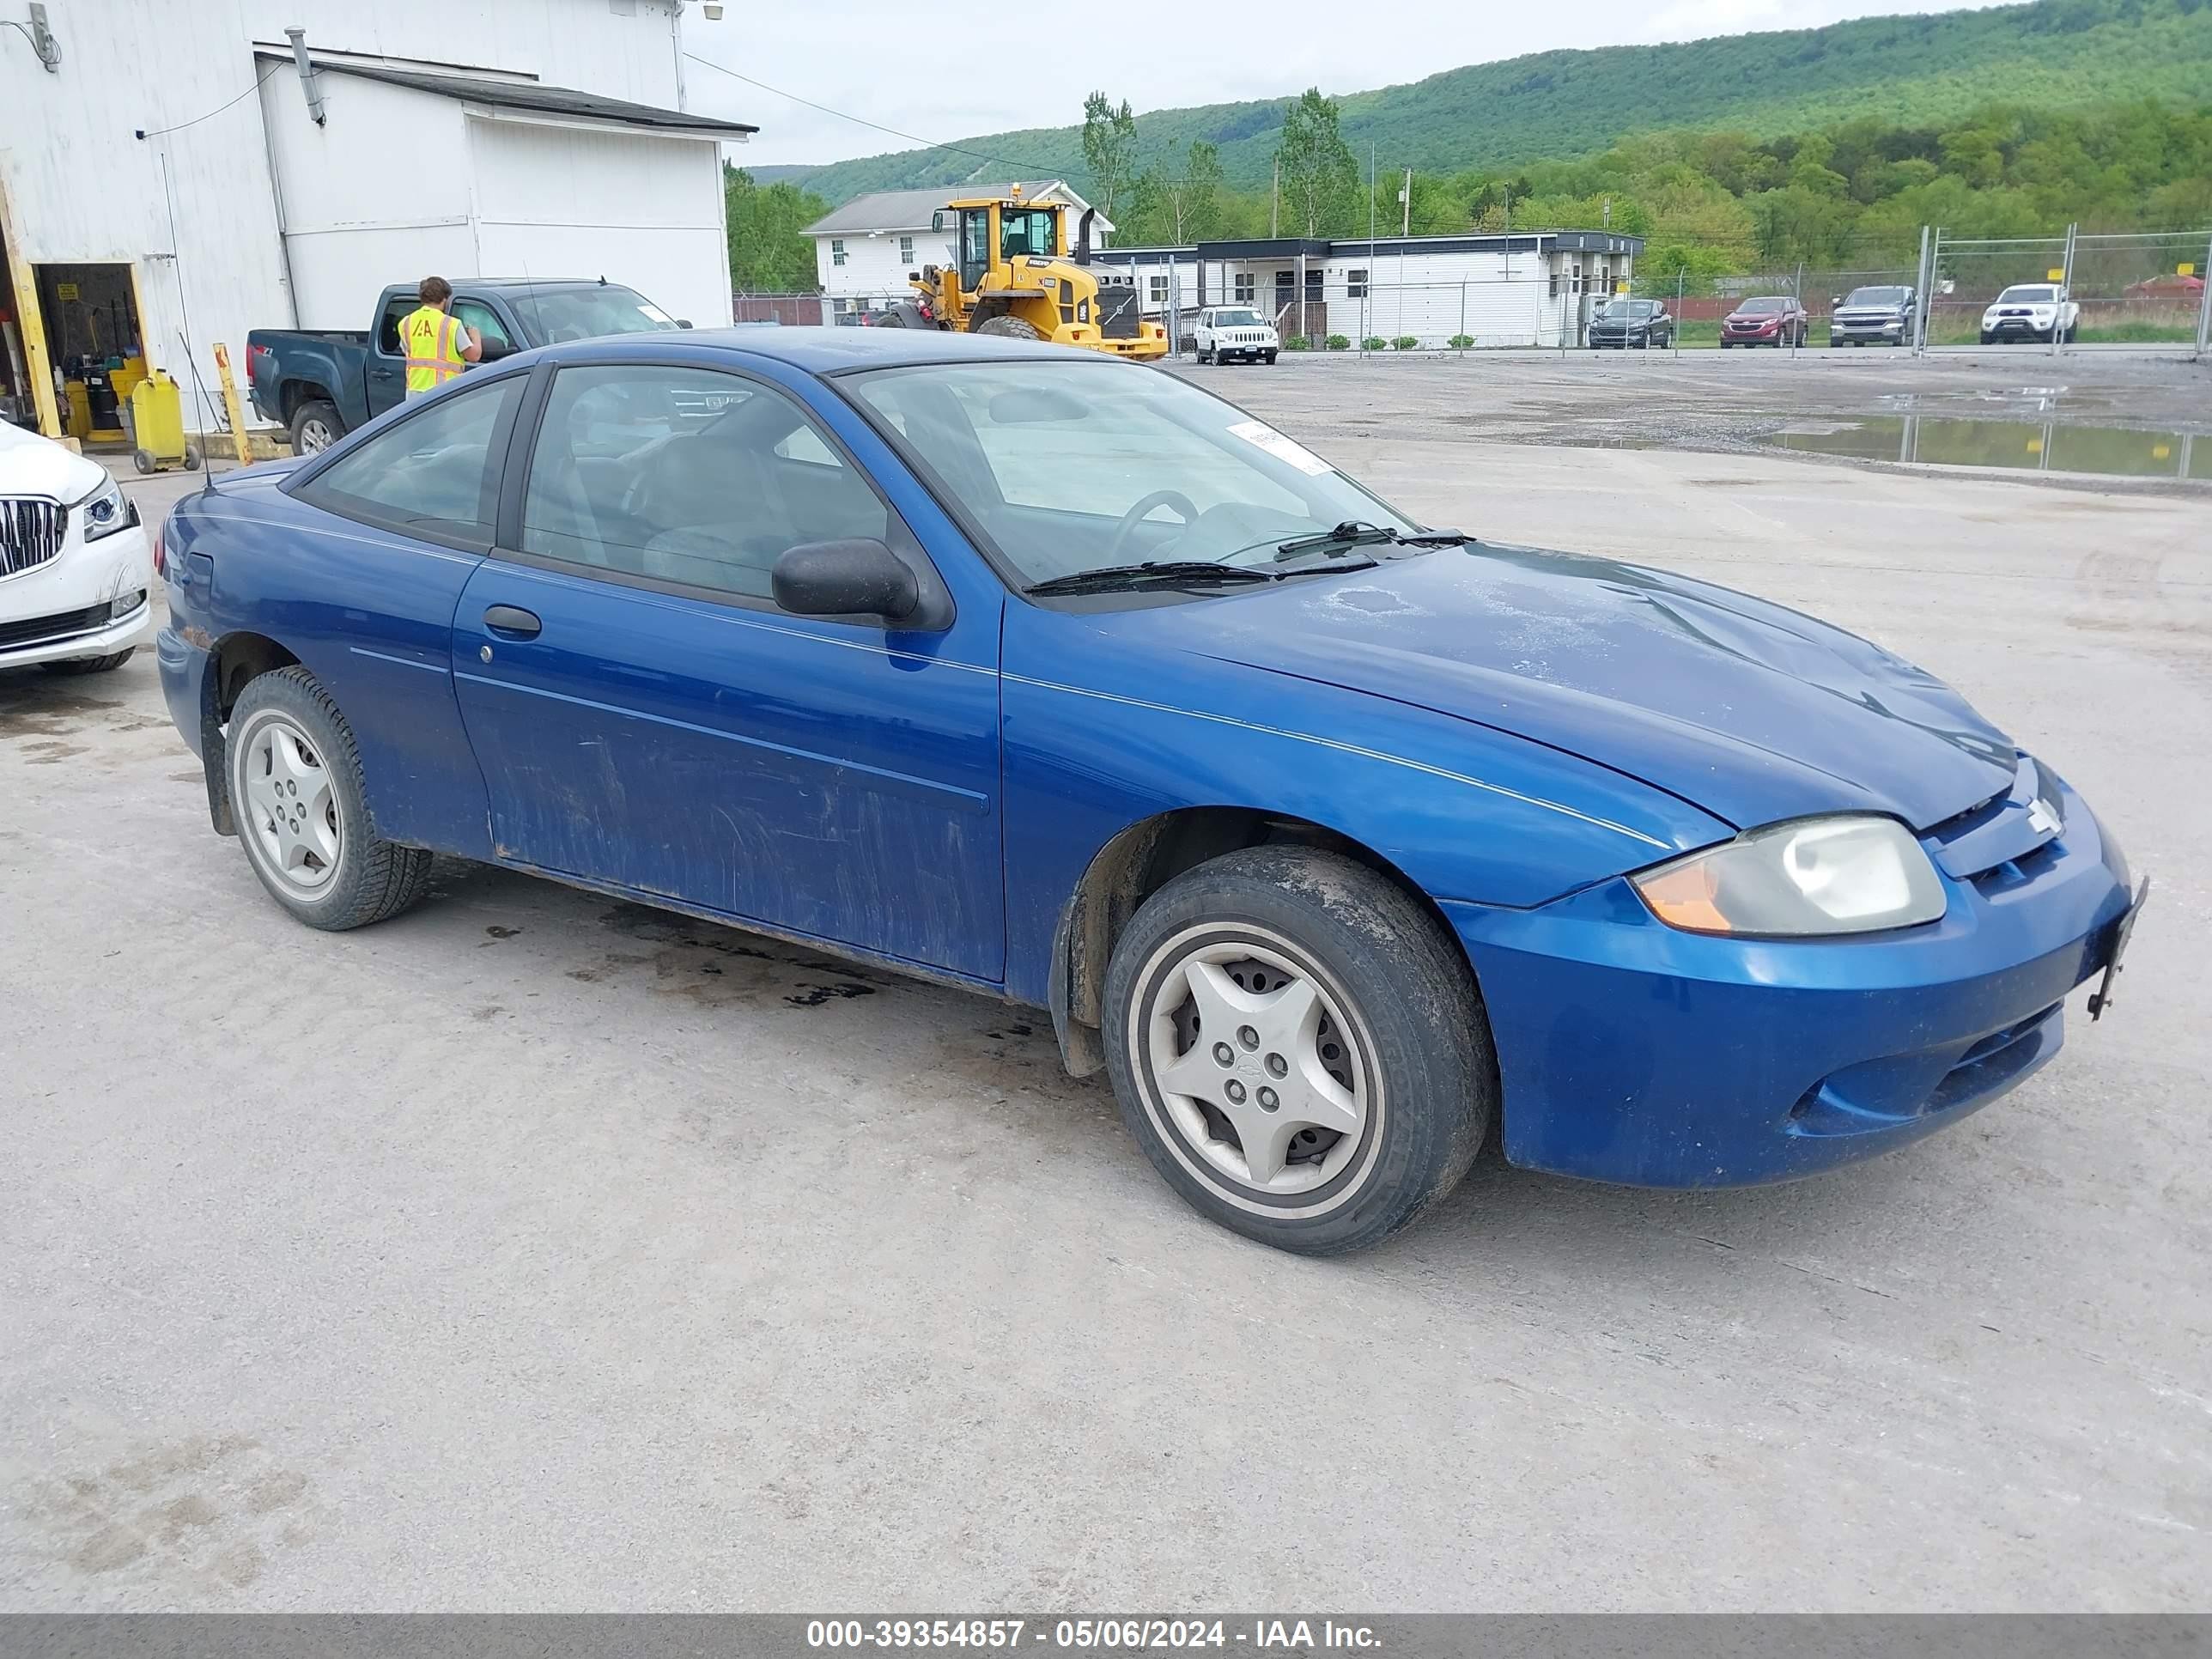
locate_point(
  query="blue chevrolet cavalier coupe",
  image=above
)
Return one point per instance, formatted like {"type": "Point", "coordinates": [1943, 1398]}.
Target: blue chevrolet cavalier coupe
{"type": "Point", "coordinates": [1338, 842]}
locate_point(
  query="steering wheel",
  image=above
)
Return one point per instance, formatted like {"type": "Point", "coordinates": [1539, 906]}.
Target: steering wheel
{"type": "Point", "coordinates": [1135, 515]}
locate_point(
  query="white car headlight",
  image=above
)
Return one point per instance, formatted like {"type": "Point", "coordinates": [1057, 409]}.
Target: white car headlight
{"type": "Point", "coordinates": [1848, 874]}
{"type": "Point", "coordinates": [105, 511]}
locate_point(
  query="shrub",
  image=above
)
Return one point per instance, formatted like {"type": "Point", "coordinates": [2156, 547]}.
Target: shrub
{"type": "Point", "coordinates": [1374, 342]}
{"type": "Point", "coordinates": [1461, 342]}
{"type": "Point", "coordinates": [1339, 343]}
{"type": "Point", "coordinates": [1407, 342]}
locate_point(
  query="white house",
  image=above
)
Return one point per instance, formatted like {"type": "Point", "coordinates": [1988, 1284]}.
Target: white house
{"type": "Point", "coordinates": [174, 173]}
{"type": "Point", "coordinates": [864, 251]}
{"type": "Point", "coordinates": [1525, 288]}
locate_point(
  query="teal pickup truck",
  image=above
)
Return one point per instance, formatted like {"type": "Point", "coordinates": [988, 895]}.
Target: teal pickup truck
{"type": "Point", "coordinates": [319, 385]}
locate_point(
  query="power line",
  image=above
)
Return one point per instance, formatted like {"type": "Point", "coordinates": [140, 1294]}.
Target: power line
{"type": "Point", "coordinates": [862, 120]}
{"type": "Point", "coordinates": [275, 64]}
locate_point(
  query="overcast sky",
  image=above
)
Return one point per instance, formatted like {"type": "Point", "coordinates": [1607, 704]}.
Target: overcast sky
{"type": "Point", "coordinates": [886, 60]}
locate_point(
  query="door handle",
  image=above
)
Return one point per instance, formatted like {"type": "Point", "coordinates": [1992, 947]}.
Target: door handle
{"type": "Point", "coordinates": [511, 622]}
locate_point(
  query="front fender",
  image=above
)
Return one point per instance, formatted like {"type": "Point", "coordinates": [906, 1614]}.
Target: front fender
{"type": "Point", "coordinates": [1099, 740]}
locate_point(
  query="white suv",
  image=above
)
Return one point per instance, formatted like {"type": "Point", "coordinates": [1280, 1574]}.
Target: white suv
{"type": "Point", "coordinates": [76, 576]}
{"type": "Point", "coordinates": [2031, 311]}
{"type": "Point", "coordinates": [1230, 332]}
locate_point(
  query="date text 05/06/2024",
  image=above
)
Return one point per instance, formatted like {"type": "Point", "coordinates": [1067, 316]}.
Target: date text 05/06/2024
{"type": "Point", "coordinates": [1127, 1634]}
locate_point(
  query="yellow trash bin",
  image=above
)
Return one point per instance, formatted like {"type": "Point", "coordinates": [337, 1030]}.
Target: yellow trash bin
{"type": "Point", "coordinates": [157, 418]}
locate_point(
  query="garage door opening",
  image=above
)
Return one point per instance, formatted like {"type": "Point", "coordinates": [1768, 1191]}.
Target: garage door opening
{"type": "Point", "coordinates": [89, 314]}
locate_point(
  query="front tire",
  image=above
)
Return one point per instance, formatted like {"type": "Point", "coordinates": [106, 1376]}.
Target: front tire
{"type": "Point", "coordinates": [296, 790]}
{"type": "Point", "coordinates": [1359, 1079]}
{"type": "Point", "coordinates": [90, 665]}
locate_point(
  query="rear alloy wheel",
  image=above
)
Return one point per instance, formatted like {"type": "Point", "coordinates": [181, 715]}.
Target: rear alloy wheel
{"type": "Point", "coordinates": [295, 791]}
{"type": "Point", "coordinates": [315, 427]}
{"type": "Point", "coordinates": [1298, 1047]}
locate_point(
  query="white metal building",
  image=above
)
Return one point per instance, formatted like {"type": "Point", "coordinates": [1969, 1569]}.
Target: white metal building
{"type": "Point", "coordinates": [1527, 288]}
{"type": "Point", "coordinates": [172, 174]}
{"type": "Point", "coordinates": [864, 251]}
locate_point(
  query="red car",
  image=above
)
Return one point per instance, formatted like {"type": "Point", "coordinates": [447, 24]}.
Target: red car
{"type": "Point", "coordinates": [1775, 320]}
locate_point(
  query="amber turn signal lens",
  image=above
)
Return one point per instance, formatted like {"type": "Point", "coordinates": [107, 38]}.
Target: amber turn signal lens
{"type": "Point", "coordinates": [1683, 898]}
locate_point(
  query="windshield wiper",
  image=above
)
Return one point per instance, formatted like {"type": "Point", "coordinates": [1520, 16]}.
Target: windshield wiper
{"type": "Point", "coordinates": [1106, 578]}
{"type": "Point", "coordinates": [1352, 533]}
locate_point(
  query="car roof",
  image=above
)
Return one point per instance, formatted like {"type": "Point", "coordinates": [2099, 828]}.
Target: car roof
{"type": "Point", "coordinates": [827, 350]}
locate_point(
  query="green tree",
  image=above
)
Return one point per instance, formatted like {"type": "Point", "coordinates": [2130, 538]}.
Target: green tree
{"type": "Point", "coordinates": [1320, 178]}
{"type": "Point", "coordinates": [769, 250]}
{"type": "Point", "coordinates": [1109, 150]}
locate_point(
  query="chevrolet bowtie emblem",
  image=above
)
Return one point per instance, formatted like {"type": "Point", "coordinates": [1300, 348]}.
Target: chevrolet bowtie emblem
{"type": "Point", "coordinates": [2042, 817]}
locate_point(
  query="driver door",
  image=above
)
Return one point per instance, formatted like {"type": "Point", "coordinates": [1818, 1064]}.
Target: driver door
{"type": "Point", "coordinates": [648, 719]}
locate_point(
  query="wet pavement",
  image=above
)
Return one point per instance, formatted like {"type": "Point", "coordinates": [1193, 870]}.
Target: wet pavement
{"type": "Point", "coordinates": [2094, 412]}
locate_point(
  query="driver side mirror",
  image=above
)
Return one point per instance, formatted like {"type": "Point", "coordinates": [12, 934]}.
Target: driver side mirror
{"type": "Point", "coordinates": [855, 578]}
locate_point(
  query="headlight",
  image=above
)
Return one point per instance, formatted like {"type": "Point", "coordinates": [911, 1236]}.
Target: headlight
{"type": "Point", "coordinates": [105, 511]}
{"type": "Point", "coordinates": [1815, 876]}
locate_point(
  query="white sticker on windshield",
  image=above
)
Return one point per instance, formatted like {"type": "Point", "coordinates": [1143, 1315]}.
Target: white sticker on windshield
{"type": "Point", "coordinates": [1282, 448]}
{"type": "Point", "coordinates": [655, 313]}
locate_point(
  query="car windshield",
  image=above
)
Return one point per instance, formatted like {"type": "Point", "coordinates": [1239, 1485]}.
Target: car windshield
{"type": "Point", "coordinates": [1066, 467]}
{"type": "Point", "coordinates": [2032, 294]}
{"type": "Point", "coordinates": [1236, 319]}
{"type": "Point", "coordinates": [1763, 307]}
{"type": "Point", "coordinates": [1877, 297]}
{"type": "Point", "coordinates": [554, 315]}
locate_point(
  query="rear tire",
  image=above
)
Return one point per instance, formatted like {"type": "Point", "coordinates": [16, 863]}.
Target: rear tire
{"type": "Point", "coordinates": [1009, 328]}
{"type": "Point", "coordinates": [295, 780]}
{"type": "Point", "coordinates": [316, 426]}
{"type": "Point", "coordinates": [1330, 983]}
{"type": "Point", "coordinates": [73, 665]}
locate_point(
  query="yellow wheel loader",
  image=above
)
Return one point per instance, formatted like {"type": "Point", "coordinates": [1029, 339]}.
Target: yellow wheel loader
{"type": "Point", "coordinates": [1017, 277]}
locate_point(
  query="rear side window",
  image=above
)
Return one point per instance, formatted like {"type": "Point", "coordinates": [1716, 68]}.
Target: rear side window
{"type": "Point", "coordinates": [434, 474]}
{"type": "Point", "coordinates": [387, 325]}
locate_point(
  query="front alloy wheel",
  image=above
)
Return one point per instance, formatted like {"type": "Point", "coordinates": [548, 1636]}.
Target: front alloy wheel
{"type": "Point", "coordinates": [1298, 1046]}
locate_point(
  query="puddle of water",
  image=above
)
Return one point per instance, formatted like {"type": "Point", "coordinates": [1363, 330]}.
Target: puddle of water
{"type": "Point", "coordinates": [2019, 445]}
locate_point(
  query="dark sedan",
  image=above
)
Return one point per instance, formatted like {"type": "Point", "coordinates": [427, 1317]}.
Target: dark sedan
{"type": "Point", "coordinates": [1633, 323]}
{"type": "Point", "coordinates": [1773, 319]}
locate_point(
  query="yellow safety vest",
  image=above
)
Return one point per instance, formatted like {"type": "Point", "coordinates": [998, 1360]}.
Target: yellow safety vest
{"type": "Point", "coordinates": [432, 342]}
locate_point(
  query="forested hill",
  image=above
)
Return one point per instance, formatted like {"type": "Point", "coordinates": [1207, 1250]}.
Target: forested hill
{"type": "Point", "coordinates": [2052, 54]}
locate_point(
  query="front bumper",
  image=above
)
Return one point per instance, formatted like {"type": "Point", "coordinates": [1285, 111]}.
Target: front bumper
{"type": "Point", "coordinates": [1632, 1053]}
{"type": "Point", "coordinates": [92, 600]}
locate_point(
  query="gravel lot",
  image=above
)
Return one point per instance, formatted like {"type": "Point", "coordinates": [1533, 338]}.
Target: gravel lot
{"type": "Point", "coordinates": [535, 1252]}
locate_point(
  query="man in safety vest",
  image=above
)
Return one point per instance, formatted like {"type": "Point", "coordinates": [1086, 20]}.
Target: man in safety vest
{"type": "Point", "coordinates": [436, 346]}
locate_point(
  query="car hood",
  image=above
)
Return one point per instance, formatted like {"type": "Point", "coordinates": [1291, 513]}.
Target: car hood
{"type": "Point", "coordinates": [1749, 710]}
{"type": "Point", "coordinates": [32, 465]}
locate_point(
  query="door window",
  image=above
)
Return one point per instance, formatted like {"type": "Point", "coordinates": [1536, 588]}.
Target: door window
{"type": "Point", "coordinates": [687, 477]}
{"type": "Point", "coordinates": [480, 317]}
{"type": "Point", "coordinates": [434, 474]}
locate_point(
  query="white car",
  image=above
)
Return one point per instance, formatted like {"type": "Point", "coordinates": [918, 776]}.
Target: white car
{"type": "Point", "coordinates": [75, 574]}
{"type": "Point", "coordinates": [1227, 332]}
{"type": "Point", "coordinates": [2031, 311]}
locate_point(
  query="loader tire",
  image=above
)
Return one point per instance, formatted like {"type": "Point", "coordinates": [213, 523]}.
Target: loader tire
{"type": "Point", "coordinates": [1009, 328]}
